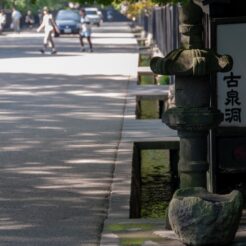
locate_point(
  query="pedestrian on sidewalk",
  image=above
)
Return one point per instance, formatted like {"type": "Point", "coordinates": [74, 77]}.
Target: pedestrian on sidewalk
{"type": "Point", "coordinates": [16, 17]}
{"type": "Point", "coordinates": [29, 20]}
{"type": "Point", "coordinates": [40, 17]}
{"type": "Point", "coordinates": [49, 26]}
{"type": "Point", "coordinates": [2, 20]}
{"type": "Point", "coordinates": [85, 31]}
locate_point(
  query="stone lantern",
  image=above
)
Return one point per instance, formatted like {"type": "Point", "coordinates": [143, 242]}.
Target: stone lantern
{"type": "Point", "coordinates": [193, 117]}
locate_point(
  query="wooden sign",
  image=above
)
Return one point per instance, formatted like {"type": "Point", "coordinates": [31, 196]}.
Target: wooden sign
{"type": "Point", "coordinates": [231, 86]}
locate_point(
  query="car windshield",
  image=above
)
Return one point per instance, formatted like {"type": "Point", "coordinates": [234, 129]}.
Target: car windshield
{"type": "Point", "coordinates": [91, 12]}
{"type": "Point", "coordinates": [68, 15]}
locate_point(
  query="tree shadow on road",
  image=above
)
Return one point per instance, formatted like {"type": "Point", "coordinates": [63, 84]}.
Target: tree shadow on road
{"type": "Point", "coordinates": [59, 136]}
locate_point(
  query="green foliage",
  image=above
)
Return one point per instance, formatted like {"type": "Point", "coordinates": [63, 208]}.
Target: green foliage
{"type": "Point", "coordinates": [51, 4]}
{"type": "Point", "coordinates": [93, 2]}
{"type": "Point", "coordinates": [144, 60]}
{"type": "Point", "coordinates": [127, 227]}
{"type": "Point", "coordinates": [155, 183]}
{"type": "Point", "coordinates": [34, 5]}
{"type": "Point", "coordinates": [173, 1]}
{"type": "Point", "coordinates": [147, 80]}
{"type": "Point", "coordinates": [135, 8]}
{"type": "Point", "coordinates": [164, 80]}
{"type": "Point", "coordinates": [163, 2]}
{"type": "Point", "coordinates": [154, 209]}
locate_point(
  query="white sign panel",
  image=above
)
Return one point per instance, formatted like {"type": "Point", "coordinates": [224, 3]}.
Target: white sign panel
{"type": "Point", "coordinates": [231, 86]}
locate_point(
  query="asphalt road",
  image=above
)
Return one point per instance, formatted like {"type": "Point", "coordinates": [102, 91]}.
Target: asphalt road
{"type": "Point", "coordinates": [60, 125]}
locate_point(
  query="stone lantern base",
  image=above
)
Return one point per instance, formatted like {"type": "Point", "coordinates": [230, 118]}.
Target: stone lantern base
{"type": "Point", "coordinates": [202, 218]}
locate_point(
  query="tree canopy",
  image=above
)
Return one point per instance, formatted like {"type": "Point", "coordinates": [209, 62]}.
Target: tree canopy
{"type": "Point", "coordinates": [108, 2]}
{"type": "Point", "coordinates": [36, 5]}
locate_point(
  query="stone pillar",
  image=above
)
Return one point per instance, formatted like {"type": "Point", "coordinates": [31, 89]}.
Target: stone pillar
{"type": "Point", "coordinates": [192, 117]}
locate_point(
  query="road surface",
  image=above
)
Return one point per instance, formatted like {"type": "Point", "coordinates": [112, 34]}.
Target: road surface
{"type": "Point", "coordinates": [60, 125]}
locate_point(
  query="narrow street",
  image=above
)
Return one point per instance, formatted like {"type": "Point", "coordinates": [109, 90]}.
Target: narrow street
{"type": "Point", "coordinates": [60, 125]}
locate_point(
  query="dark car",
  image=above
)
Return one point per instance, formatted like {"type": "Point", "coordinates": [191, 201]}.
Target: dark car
{"type": "Point", "coordinates": [68, 21]}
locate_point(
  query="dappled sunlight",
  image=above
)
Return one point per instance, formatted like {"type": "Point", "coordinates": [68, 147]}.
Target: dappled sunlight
{"type": "Point", "coordinates": [60, 123]}
{"type": "Point", "coordinates": [7, 224]}
{"type": "Point", "coordinates": [90, 93]}
{"type": "Point", "coordinates": [81, 186]}
{"type": "Point", "coordinates": [16, 148]}
{"type": "Point", "coordinates": [51, 132]}
{"type": "Point", "coordinates": [111, 64]}
{"type": "Point", "coordinates": [86, 161]}
{"type": "Point", "coordinates": [117, 40]}
{"type": "Point", "coordinates": [25, 35]}
{"type": "Point", "coordinates": [25, 93]}
{"type": "Point", "coordinates": [91, 116]}
{"type": "Point", "coordinates": [49, 127]}
{"type": "Point", "coordinates": [36, 166]}
{"type": "Point", "coordinates": [114, 35]}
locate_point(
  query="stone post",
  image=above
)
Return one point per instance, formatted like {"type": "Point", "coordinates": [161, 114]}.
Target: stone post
{"type": "Point", "coordinates": [192, 117]}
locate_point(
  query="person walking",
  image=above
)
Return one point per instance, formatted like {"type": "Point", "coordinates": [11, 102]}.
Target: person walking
{"type": "Point", "coordinates": [40, 17]}
{"type": "Point", "coordinates": [49, 26]}
{"type": "Point", "coordinates": [85, 31]}
{"type": "Point", "coordinates": [16, 16]}
{"type": "Point", "coordinates": [2, 20]}
{"type": "Point", "coordinates": [29, 20]}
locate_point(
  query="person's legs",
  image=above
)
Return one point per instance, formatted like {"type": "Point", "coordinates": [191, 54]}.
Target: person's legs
{"type": "Point", "coordinates": [48, 39]}
{"type": "Point", "coordinates": [90, 43]}
{"type": "Point", "coordinates": [51, 41]}
{"type": "Point", "coordinates": [81, 37]}
{"type": "Point", "coordinates": [15, 25]}
{"type": "Point", "coordinates": [18, 25]}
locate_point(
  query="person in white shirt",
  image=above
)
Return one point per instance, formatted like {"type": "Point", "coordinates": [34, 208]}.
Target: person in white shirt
{"type": "Point", "coordinates": [85, 30]}
{"type": "Point", "coordinates": [49, 26]}
{"type": "Point", "coordinates": [16, 16]}
{"type": "Point", "coordinates": [2, 20]}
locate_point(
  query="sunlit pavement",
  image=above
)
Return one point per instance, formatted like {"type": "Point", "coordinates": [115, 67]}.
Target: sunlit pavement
{"type": "Point", "coordinates": [60, 123]}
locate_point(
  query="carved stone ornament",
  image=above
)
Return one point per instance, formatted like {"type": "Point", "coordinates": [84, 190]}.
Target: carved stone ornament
{"type": "Point", "coordinates": [191, 62]}
{"type": "Point", "coordinates": [192, 119]}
